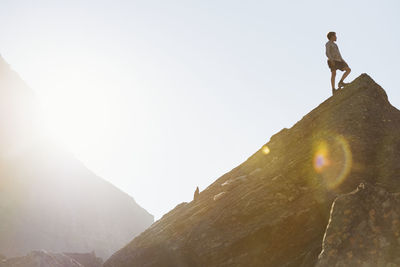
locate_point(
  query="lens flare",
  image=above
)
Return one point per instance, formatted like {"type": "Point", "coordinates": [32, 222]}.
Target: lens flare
{"type": "Point", "coordinates": [266, 150]}
{"type": "Point", "coordinates": [333, 160]}
{"type": "Point", "coordinates": [321, 159]}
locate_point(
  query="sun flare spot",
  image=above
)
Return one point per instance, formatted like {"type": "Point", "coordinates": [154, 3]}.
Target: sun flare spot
{"type": "Point", "coordinates": [321, 159]}
{"type": "Point", "coordinates": [266, 150]}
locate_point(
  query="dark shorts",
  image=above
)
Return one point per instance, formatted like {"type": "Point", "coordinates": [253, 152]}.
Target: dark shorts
{"type": "Point", "coordinates": [337, 65]}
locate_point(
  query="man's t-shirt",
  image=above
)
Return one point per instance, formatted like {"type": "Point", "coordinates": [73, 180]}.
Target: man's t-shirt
{"type": "Point", "coordinates": [332, 51]}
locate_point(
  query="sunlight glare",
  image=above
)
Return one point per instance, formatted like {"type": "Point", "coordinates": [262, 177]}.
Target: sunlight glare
{"type": "Point", "coordinates": [333, 160]}
{"type": "Point", "coordinates": [78, 102]}
{"type": "Point", "coordinates": [321, 159]}
{"type": "Point", "coordinates": [266, 149]}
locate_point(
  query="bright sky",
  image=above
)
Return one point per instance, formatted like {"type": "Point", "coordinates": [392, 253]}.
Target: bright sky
{"type": "Point", "coordinates": [159, 97]}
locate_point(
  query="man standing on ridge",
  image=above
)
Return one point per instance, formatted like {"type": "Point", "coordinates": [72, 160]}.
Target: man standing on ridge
{"type": "Point", "coordinates": [335, 61]}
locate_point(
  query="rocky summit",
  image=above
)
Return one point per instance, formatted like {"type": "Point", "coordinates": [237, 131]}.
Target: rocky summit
{"type": "Point", "coordinates": [275, 208]}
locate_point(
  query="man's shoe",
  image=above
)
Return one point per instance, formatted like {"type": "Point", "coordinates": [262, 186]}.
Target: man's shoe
{"type": "Point", "coordinates": [342, 84]}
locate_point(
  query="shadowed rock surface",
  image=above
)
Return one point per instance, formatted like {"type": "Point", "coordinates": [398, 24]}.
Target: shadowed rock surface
{"type": "Point", "coordinates": [48, 199]}
{"type": "Point", "coordinates": [273, 209]}
{"type": "Point", "coordinates": [364, 229]}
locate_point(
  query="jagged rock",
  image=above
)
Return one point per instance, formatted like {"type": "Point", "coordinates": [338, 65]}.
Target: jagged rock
{"type": "Point", "coordinates": [86, 259]}
{"type": "Point", "coordinates": [48, 199]}
{"type": "Point", "coordinates": [278, 215]}
{"type": "Point", "coordinates": [41, 259]}
{"type": "Point", "coordinates": [363, 230]}
{"type": "Point", "coordinates": [196, 193]}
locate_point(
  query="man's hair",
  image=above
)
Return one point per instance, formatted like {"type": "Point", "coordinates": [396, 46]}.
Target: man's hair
{"type": "Point", "coordinates": [330, 35]}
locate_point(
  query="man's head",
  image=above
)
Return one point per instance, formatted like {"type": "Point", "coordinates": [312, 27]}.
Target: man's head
{"type": "Point", "coordinates": [331, 36]}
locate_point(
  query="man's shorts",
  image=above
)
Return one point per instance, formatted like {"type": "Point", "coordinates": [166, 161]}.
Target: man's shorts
{"type": "Point", "coordinates": [337, 65]}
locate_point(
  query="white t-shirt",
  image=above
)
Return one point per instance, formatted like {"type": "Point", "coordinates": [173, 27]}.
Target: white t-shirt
{"type": "Point", "coordinates": [332, 51]}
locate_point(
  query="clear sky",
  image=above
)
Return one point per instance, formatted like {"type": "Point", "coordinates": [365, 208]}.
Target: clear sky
{"type": "Point", "coordinates": [159, 97]}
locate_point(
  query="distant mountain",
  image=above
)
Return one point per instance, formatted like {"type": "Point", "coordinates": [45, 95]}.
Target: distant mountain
{"type": "Point", "coordinates": [273, 209]}
{"type": "Point", "coordinates": [48, 199]}
{"type": "Point", "coordinates": [43, 258]}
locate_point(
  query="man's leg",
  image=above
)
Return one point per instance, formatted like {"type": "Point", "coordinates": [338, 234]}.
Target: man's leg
{"type": "Point", "coordinates": [333, 77]}
{"type": "Point", "coordinates": [345, 74]}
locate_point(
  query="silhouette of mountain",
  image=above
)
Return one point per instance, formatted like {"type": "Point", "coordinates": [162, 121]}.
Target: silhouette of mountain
{"type": "Point", "coordinates": [48, 199]}
{"type": "Point", "coordinates": [43, 258]}
{"type": "Point", "coordinates": [273, 209]}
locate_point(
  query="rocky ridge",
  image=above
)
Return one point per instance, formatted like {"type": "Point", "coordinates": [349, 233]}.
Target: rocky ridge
{"type": "Point", "coordinates": [273, 209]}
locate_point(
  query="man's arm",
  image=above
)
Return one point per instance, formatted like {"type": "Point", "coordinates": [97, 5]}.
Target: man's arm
{"type": "Point", "coordinates": [329, 51]}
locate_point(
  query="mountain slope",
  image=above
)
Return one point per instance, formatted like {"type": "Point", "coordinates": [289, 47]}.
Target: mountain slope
{"type": "Point", "coordinates": [48, 199]}
{"type": "Point", "coordinates": [273, 209]}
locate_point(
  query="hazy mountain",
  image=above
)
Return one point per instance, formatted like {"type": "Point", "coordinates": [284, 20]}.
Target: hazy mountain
{"type": "Point", "coordinates": [48, 199]}
{"type": "Point", "coordinates": [273, 210]}
{"type": "Point", "coordinates": [42, 258]}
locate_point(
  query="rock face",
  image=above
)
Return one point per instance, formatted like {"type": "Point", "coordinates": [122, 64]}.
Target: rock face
{"type": "Point", "coordinates": [274, 208]}
{"type": "Point", "coordinates": [364, 229]}
{"type": "Point", "coordinates": [48, 199]}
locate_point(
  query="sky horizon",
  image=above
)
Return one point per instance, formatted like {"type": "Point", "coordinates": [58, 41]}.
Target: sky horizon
{"type": "Point", "coordinates": [159, 97]}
